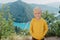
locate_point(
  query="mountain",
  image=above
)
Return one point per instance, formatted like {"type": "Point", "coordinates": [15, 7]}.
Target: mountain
{"type": "Point", "coordinates": [0, 5]}
{"type": "Point", "coordinates": [23, 12]}
{"type": "Point", "coordinates": [55, 4]}
{"type": "Point", "coordinates": [58, 17]}
{"type": "Point", "coordinates": [18, 10]}
{"type": "Point", "coordinates": [46, 7]}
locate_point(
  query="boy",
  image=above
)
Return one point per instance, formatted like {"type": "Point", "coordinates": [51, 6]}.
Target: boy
{"type": "Point", "coordinates": [38, 26]}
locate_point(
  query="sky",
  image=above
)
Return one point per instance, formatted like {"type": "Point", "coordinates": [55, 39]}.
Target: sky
{"type": "Point", "coordinates": [32, 1]}
{"type": "Point", "coordinates": [7, 1]}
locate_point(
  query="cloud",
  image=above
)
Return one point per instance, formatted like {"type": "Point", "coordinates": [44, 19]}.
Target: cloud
{"type": "Point", "coordinates": [40, 1]}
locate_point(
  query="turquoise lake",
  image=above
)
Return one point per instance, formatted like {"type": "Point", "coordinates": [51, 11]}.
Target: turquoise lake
{"type": "Point", "coordinates": [22, 25]}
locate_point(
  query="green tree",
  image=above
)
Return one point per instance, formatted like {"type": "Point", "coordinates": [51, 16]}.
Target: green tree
{"type": "Point", "coordinates": [50, 18]}
{"type": "Point", "coordinates": [58, 28]}
{"type": "Point", "coordinates": [6, 23]}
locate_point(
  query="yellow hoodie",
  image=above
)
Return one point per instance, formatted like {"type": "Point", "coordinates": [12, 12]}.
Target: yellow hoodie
{"type": "Point", "coordinates": [38, 28]}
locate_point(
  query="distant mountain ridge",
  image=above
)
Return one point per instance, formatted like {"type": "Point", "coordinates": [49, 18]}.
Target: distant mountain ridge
{"type": "Point", "coordinates": [0, 6]}
{"type": "Point", "coordinates": [55, 4]}
{"type": "Point", "coordinates": [46, 7]}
